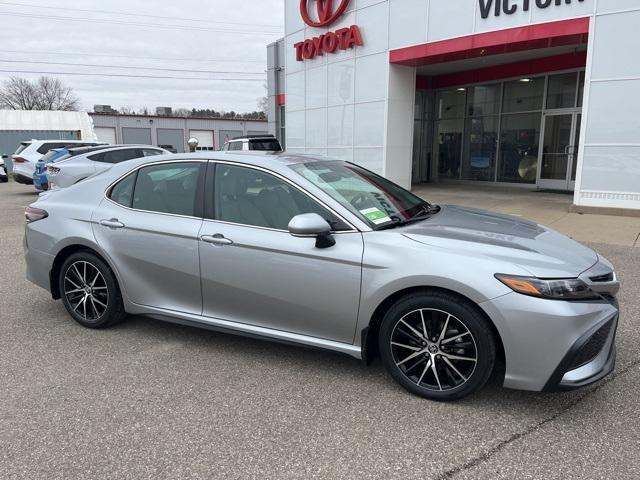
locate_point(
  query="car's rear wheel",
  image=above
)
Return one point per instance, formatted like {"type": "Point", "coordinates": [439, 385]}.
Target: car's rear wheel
{"type": "Point", "coordinates": [437, 345]}
{"type": "Point", "coordinates": [90, 292]}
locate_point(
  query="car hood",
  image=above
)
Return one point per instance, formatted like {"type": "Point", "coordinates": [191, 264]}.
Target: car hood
{"type": "Point", "coordinates": [541, 251]}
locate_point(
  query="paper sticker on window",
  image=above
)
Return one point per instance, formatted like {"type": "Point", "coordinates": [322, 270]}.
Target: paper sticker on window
{"type": "Point", "coordinates": [375, 215]}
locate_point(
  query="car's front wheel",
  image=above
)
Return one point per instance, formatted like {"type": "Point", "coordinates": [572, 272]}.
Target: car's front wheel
{"type": "Point", "coordinates": [90, 292]}
{"type": "Point", "coordinates": [437, 345]}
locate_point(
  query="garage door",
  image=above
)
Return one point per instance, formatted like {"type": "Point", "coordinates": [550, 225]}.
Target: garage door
{"type": "Point", "coordinates": [106, 135]}
{"type": "Point", "coordinates": [205, 139]}
{"type": "Point", "coordinates": [171, 139]}
{"type": "Point", "coordinates": [136, 136]}
{"type": "Point", "coordinates": [226, 135]}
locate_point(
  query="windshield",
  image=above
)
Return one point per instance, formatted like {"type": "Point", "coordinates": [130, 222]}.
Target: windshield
{"type": "Point", "coordinates": [374, 199]}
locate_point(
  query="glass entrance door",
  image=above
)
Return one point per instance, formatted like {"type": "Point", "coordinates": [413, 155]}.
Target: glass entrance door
{"type": "Point", "coordinates": [558, 155]}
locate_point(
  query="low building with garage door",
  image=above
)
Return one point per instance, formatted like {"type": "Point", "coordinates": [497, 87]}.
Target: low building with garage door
{"type": "Point", "coordinates": [172, 132]}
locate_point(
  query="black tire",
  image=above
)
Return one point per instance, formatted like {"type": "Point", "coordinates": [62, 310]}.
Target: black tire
{"type": "Point", "coordinates": [92, 305]}
{"type": "Point", "coordinates": [411, 357]}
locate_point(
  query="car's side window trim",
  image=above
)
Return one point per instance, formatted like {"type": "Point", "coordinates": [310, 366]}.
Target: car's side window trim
{"type": "Point", "coordinates": [209, 213]}
{"type": "Point", "coordinates": [203, 169]}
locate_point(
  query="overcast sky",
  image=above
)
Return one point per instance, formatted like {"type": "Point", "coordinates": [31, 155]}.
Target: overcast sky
{"type": "Point", "coordinates": [211, 35]}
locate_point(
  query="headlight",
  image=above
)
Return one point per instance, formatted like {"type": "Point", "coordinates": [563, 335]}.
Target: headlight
{"type": "Point", "coordinates": [558, 289]}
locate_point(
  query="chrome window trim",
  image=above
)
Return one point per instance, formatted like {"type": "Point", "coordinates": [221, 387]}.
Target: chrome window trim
{"type": "Point", "coordinates": [162, 162]}
{"type": "Point", "coordinates": [294, 185]}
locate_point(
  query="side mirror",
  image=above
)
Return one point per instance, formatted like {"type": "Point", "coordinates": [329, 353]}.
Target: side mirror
{"type": "Point", "coordinates": [312, 225]}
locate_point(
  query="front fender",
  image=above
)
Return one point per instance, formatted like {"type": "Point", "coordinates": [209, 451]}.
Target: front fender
{"type": "Point", "coordinates": [393, 263]}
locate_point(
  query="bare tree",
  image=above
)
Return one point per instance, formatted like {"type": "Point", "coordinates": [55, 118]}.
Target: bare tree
{"type": "Point", "coordinates": [45, 93]}
{"type": "Point", "coordinates": [55, 96]}
{"type": "Point", "coordinates": [19, 94]}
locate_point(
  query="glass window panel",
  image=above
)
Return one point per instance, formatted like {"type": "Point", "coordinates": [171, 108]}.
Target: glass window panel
{"type": "Point", "coordinates": [556, 146]}
{"type": "Point", "coordinates": [483, 100]}
{"type": "Point", "coordinates": [523, 95]}
{"type": "Point", "coordinates": [419, 111]}
{"type": "Point", "coordinates": [519, 143]}
{"type": "Point", "coordinates": [450, 103]}
{"type": "Point", "coordinates": [448, 144]}
{"type": "Point", "coordinates": [250, 197]}
{"type": "Point", "coordinates": [480, 148]}
{"type": "Point", "coordinates": [168, 188]}
{"type": "Point", "coordinates": [122, 192]}
{"type": "Point", "coordinates": [581, 89]}
{"type": "Point", "coordinates": [561, 91]}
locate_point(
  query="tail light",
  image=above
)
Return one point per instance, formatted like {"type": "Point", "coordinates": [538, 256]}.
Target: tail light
{"type": "Point", "coordinates": [19, 160]}
{"type": "Point", "coordinates": [33, 214]}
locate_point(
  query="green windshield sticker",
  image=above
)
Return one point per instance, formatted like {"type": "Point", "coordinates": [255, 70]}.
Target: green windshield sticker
{"type": "Point", "coordinates": [375, 215]}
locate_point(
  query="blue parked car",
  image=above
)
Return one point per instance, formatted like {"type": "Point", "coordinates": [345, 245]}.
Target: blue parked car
{"type": "Point", "coordinates": [40, 181]}
{"type": "Point", "coordinates": [39, 176]}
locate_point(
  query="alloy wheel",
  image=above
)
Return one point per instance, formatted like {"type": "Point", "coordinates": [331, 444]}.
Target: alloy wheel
{"type": "Point", "coordinates": [434, 349]}
{"type": "Point", "coordinates": [86, 290]}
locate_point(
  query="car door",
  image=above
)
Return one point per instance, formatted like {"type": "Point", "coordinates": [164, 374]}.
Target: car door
{"type": "Point", "coordinates": [255, 272]}
{"type": "Point", "coordinates": [149, 226]}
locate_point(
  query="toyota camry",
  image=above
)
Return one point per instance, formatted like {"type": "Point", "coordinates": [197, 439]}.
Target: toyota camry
{"type": "Point", "coordinates": [327, 254]}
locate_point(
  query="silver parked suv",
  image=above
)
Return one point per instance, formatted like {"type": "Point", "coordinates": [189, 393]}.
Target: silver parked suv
{"type": "Point", "coordinates": [327, 254]}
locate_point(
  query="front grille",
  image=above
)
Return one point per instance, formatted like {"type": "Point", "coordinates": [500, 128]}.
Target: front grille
{"type": "Point", "coordinates": [607, 277]}
{"type": "Point", "coordinates": [593, 346]}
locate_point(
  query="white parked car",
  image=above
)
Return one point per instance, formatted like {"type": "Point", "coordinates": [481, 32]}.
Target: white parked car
{"type": "Point", "coordinates": [71, 170]}
{"type": "Point", "coordinates": [29, 152]}
{"type": "Point", "coordinates": [3, 171]}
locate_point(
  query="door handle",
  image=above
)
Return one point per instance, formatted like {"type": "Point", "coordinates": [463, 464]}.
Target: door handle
{"type": "Point", "coordinates": [113, 223]}
{"type": "Point", "coordinates": [217, 239]}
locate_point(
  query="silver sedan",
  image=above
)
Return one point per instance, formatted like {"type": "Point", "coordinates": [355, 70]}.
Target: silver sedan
{"type": "Point", "coordinates": [327, 254]}
{"type": "Point", "coordinates": [72, 169]}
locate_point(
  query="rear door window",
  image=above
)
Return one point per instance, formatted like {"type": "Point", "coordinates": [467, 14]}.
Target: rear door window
{"type": "Point", "coordinates": [117, 156]}
{"type": "Point", "coordinates": [168, 188]}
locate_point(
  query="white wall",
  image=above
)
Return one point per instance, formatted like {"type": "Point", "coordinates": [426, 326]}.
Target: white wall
{"type": "Point", "coordinates": [336, 104]}
{"type": "Point", "coordinates": [609, 164]}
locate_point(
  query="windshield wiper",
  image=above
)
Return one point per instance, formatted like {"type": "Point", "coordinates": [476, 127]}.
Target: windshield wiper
{"type": "Point", "coordinates": [424, 213]}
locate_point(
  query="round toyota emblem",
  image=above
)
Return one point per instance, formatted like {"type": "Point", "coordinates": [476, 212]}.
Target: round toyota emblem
{"type": "Point", "coordinates": [326, 13]}
{"type": "Point", "coordinates": [433, 349]}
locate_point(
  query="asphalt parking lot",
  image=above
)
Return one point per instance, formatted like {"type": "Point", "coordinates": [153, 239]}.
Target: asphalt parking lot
{"type": "Point", "coordinates": [152, 400]}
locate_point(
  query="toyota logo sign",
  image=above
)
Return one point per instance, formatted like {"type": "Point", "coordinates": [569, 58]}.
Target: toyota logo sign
{"type": "Point", "coordinates": [329, 42]}
{"type": "Point", "coordinates": [326, 13]}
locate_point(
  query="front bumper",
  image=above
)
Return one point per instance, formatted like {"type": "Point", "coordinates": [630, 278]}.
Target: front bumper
{"type": "Point", "coordinates": [591, 358]}
{"type": "Point", "coordinates": [545, 340]}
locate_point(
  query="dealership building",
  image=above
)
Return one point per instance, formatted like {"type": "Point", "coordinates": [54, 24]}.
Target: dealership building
{"type": "Point", "coordinates": [539, 94]}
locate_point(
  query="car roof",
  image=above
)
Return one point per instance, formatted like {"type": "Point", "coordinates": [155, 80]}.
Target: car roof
{"type": "Point", "coordinates": [253, 137]}
{"type": "Point", "coordinates": [275, 161]}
